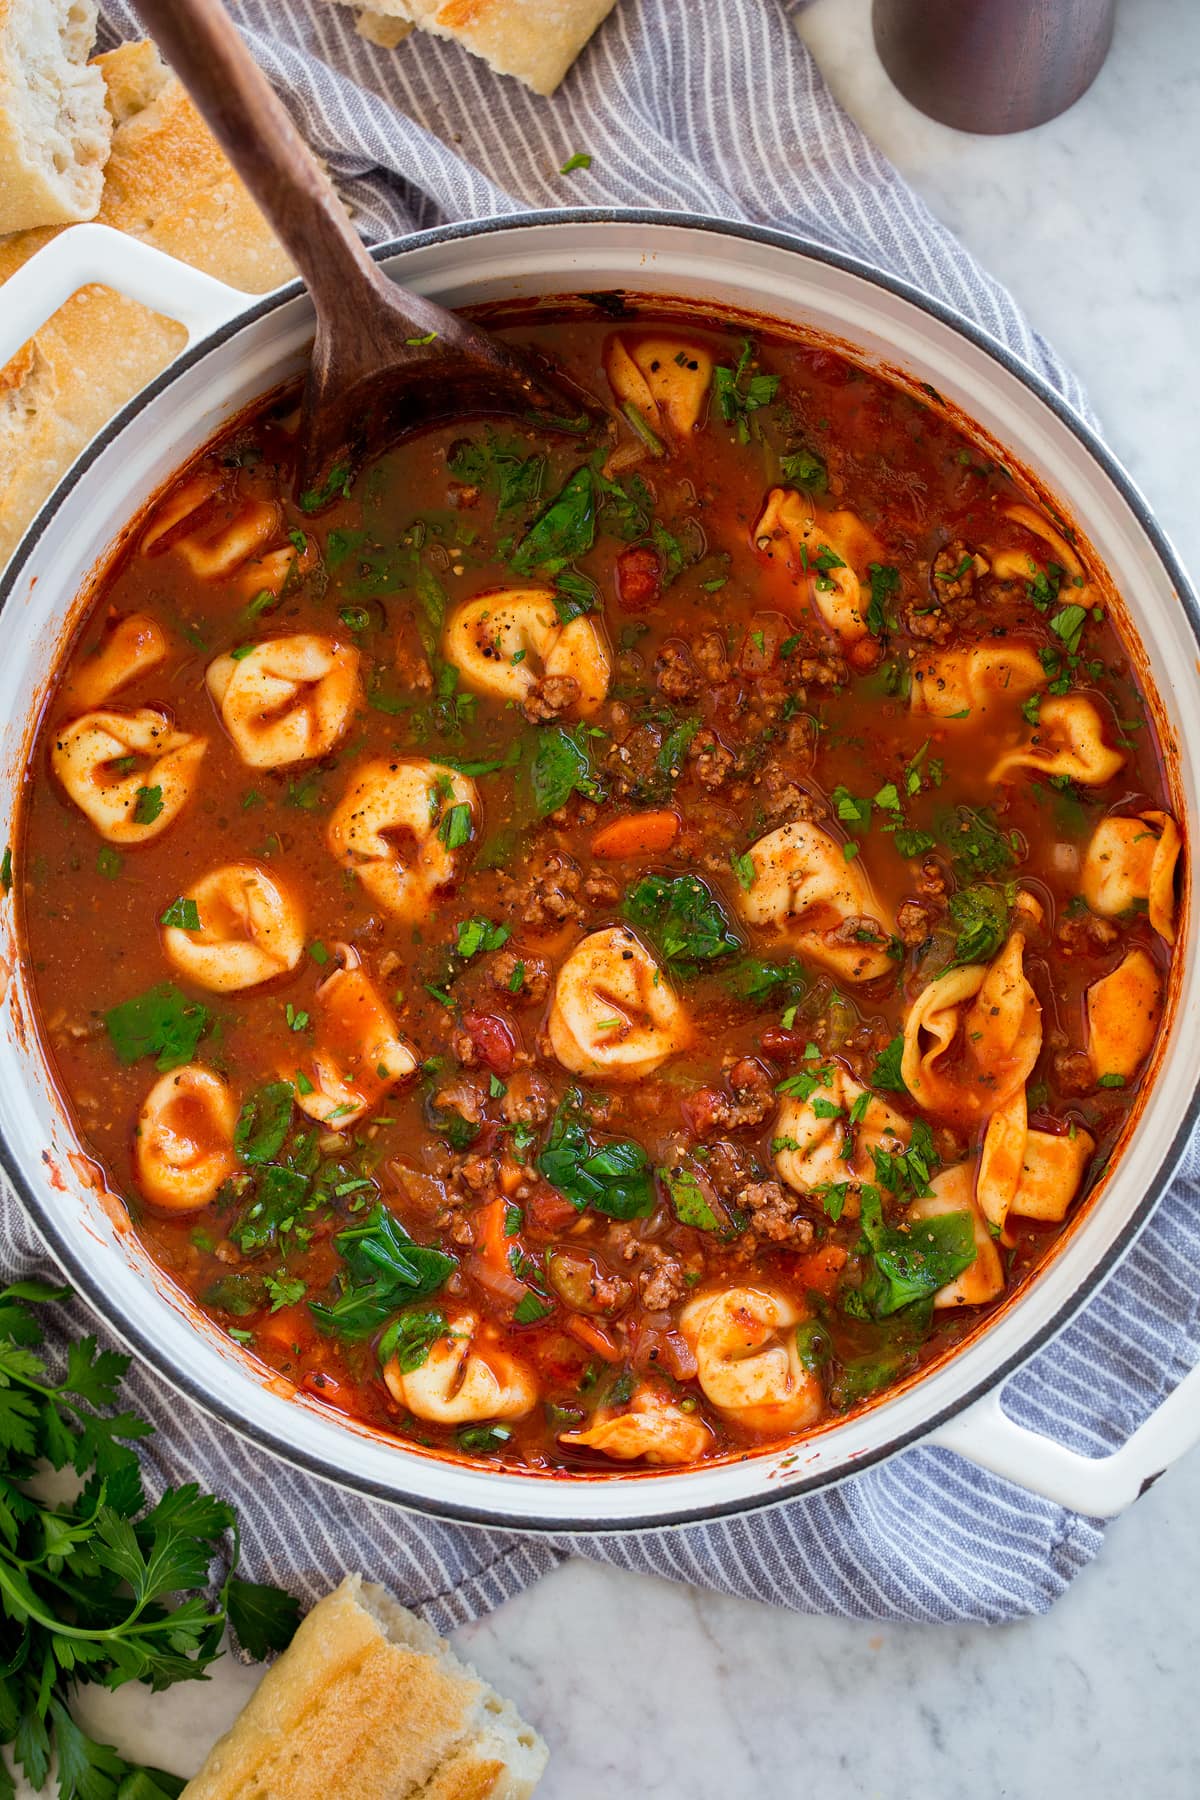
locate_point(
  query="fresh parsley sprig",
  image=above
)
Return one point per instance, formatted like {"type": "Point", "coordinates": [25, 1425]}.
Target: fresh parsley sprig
{"type": "Point", "coordinates": [102, 1587]}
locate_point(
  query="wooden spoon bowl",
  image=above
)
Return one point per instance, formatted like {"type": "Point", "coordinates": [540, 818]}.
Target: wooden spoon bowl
{"type": "Point", "coordinates": [384, 361]}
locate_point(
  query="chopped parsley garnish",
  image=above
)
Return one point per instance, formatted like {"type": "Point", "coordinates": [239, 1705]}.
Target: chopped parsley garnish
{"type": "Point", "coordinates": [739, 394]}
{"type": "Point", "coordinates": [182, 915]}
{"type": "Point", "coordinates": [885, 585]}
{"type": "Point", "coordinates": [148, 805]}
{"type": "Point", "coordinates": [582, 159]}
{"type": "Point", "coordinates": [476, 935]}
{"type": "Point", "coordinates": [981, 914]}
{"type": "Point", "coordinates": [683, 919]}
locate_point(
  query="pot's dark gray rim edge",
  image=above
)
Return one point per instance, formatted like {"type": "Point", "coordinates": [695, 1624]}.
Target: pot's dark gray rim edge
{"type": "Point", "coordinates": [790, 1487]}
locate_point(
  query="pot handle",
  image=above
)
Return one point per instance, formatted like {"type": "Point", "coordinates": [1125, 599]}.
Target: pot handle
{"type": "Point", "coordinates": [1099, 1486]}
{"type": "Point", "coordinates": [96, 253]}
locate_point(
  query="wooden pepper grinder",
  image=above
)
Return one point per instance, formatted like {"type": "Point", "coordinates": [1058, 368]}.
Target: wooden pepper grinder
{"type": "Point", "coordinates": [993, 65]}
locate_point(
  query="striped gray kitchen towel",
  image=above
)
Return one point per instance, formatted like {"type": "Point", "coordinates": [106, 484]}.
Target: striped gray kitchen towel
{"type": "Point", "coordinates": [712, 106]}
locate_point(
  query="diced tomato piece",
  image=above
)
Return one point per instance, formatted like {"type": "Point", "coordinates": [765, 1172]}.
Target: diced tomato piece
{"type": "Point", "coordinates": [639, 579]}
{"type": "Point", "coordinates": [547, 1211]}
{"type": "Point", "coordinates": [494, 1040]}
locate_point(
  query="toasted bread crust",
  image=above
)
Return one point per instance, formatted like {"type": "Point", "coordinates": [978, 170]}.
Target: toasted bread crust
{"type": "Point", "coordinates": [167, 183]}
{"type": "Point", "coordinates": [535, 40]}
{"type": "Point", "coordinates": [367, 1703]}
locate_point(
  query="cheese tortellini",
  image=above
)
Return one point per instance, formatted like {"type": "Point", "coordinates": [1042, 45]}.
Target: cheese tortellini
{"type": "Point", "coordinates": [130, 647]}
{"type": "Point", "coordinates": [286, 700]}
{"type": "Point", "coordinates": [983, 1279]}
{"type": "Point", "coordinates": [1131, 862]}
{"type": "Point", "coordinates": [1013, 565]}
{"type": "Point", "coordinates": [959, 684]}
{"type": "Point", "coordinates": [131, 774]}
{"type": "Point", "coordinates": [744, 1342]}
{"type": "Point", "coordinates": [830, 554]}
{"type": "Point", "coordinates": [614, 1013]}
{"type": "Point", "coordinates": [508, 643]}
{"type": "Point", "coordinates": [1123, 1011]}
{"type": "Point", "coordinates": [1068, 740]}
{"type": "Point", "coordinates": [251, 929]}
{"type": "Point", "coordinates": [802, 886]}
{"type": "Point", "coordinates": [222, 537]}
{"type": "Point", "coordinates": [358, 1052]}
{"type": "Point", "coordinates": [464, 1379]}
{"type": "Point", "coordinates": [653, 1428]}
{"type": "Point", "coordinates": [991, 1015]}
{"type": "Point", "coordinates": [813, 1140]}
{"type": "Point", "coordinates": [1034, 1174]}
{"type": "Point", "coordinates": [400, 827]}
{"type": "Point", "coordinates": [665, 379]}
{"type": "Point", "coordinates": [183, 1150]}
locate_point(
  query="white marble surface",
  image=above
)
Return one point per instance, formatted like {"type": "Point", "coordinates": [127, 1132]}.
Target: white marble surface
{"type": "Point", "coordinates": [650, 1689]}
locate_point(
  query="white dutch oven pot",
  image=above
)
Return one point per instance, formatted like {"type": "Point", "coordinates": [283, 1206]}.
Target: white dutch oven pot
{"type": "Point", "coordinates": [238, 349]}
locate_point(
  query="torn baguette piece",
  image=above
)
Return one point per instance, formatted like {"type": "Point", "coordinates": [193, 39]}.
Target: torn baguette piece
{"type": "Point", "coordinates": [169, 184]}
{"type": "Point", "coordinates": [54, 126]}
{"type": "Point", "coordinates": [369, 1703]}
{"type": "Point", "coordinates": [535, 40]}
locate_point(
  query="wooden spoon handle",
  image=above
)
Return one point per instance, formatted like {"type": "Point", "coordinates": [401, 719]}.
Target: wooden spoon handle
{"type": "Point", "coordinates": [251, 124]}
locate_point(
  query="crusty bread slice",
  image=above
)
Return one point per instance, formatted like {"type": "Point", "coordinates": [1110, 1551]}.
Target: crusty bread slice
{"type": "Point", "coordinates": [368, 1703]}
{"type": "Point", "coordinates": [169, 184]}
{"type": "Point", "coordinates": [535, 40]}
{"type": "Point", "coordinates": [54, 127]}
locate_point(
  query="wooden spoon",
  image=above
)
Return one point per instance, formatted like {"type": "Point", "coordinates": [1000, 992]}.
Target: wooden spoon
{"type": "Point", "coordinates": [384, 360]}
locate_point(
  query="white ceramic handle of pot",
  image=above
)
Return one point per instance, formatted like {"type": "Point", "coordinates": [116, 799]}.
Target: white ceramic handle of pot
{"type": "Point", "coordinates": [96, 253]}
{"type": "Point", "coordinates": [1100, 1486]}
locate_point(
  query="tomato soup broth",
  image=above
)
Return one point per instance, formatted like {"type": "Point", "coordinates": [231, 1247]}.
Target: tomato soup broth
{"type": "Point", "coordinates": [602, 945]}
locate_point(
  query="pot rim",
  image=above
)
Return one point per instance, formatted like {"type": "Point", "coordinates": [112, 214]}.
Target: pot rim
{"type": "Point", "coordinates": [793, 1485]}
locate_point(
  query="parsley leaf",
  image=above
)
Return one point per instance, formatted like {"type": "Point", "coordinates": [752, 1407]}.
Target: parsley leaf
{"type": "Point", "coordinates": [683, 919]}
{"type": "Point", "coordinates": [981, 915]}
{"type": "Point", "coordinates": [182, 915]}
{"type": "Point", "coordinates": [739, 394]}
{"type": "Point", "coordinates": [263, 1123]}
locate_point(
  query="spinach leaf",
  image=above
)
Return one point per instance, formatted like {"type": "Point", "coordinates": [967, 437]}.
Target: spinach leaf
{"type": "Point", "coordinates": [981, 915]}
{"type": "Point", "coordinates": [574, 595]}
{"type": "Point", "coordinates": [909, 1266]}
{"type": "Point", "coordinates": [162, 1023]}
{"type": "Point", "coordinates": [386, 1269]}
{"type": "Point", "coordinates": [693, 1206]}
{"type": "Point", "coordinates": [500, 467]}
{"type": "Point", "coordinates": [626, 509]}
{"type": "Point", "coordinates": [263, 1123]}
{"type": "Point", "coordinates": [682, 918]}
{"type": "Point", "coordinates": [613, 1176]}
{"type": "Point", "coordinates": [561, 764]}
{"type": "Point", "coordinates": [411, 1336]}
{"type": "Point", "coordinates": [563, 530]}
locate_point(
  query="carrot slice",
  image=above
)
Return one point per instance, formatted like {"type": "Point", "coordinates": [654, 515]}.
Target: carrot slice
{"type": "Point", "coordinates": [595, 1339]}
{"type": "Point", "coordinates": [491, 1240]}
{"type": "Point", "coordinates": [636, 835]}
